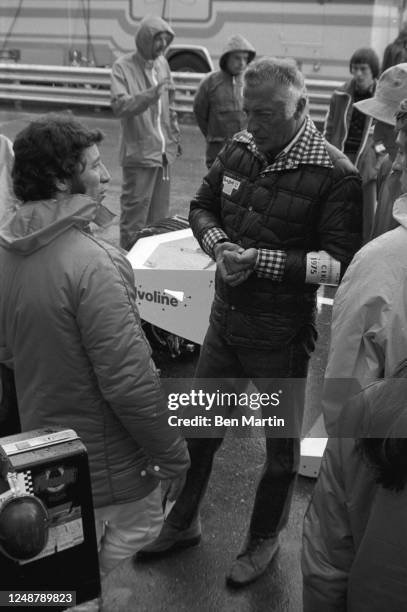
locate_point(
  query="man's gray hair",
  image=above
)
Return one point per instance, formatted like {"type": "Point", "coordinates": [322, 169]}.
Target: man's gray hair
{"type": "Point", "coordinates": [275, 70]}
{"type": "Point", "coordinates": [279, 73]}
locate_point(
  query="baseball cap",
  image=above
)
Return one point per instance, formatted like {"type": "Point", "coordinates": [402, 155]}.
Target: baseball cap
{"type": "Point", "coordinates": [391, 89]}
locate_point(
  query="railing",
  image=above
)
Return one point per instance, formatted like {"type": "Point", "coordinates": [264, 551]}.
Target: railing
{"type": "Point", "coordinates": [74, 86]}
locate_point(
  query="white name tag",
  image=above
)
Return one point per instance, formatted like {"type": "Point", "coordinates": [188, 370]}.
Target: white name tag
{"type": "Point", "coordinates": [229, 185]}
{"type": "Point", "coordinates": [322, 269]}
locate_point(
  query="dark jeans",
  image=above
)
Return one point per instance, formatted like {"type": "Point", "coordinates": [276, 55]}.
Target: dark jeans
{"type": "Point", "coordinates": [220, 359]}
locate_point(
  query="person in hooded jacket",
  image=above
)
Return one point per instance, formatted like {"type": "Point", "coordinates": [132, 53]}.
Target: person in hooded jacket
{"type": "Point", "coordinates": [355, 537]}
{"type": "Point", "coordinates": [71, 332]}
{"type": "Point", "coordinates": [369, 320]}
{"type": "Point", "coordinates": [142, 93]}
{"type": "Point", "coordinates": [351, 131]}
{"type": "Point", "coordinates": [218, 103]}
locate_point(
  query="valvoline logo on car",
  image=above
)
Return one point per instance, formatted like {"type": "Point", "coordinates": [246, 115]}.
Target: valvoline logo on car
{"type": "Point", "coordinates": [157, 297]}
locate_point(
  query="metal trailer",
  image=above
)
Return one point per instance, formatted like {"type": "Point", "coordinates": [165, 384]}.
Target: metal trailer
{"type": "Point", "coordinates": [320, 34]}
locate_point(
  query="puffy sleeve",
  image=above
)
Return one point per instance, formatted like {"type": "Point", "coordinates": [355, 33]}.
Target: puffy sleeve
{"type": "Point", "coordinates": [120, 357]}
{"type": "Point", "coordinates": [360, 332]}
{"type": "Point", "coordinates": [339, 227]}
{"type": "Point", "coordinates": [204, 213]}
{"type": "Point", "coordinates": [328, 547]}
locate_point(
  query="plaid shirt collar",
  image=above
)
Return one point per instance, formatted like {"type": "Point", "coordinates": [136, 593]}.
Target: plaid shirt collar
{"type": "Point", "coordinates": [306, 148]}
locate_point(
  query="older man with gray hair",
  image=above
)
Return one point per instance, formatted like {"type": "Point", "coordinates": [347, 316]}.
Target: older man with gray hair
{"type": "Point", "coordinates": [279, 211]}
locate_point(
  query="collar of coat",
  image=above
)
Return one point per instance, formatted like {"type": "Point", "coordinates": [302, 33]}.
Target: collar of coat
{"type": "Point", "coordinates": [36, 224]}
{"type": "Point", "coordinates": [307, 148]}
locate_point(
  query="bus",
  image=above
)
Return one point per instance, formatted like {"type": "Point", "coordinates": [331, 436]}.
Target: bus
{"type": "Point", "coordinates": [320, 34]}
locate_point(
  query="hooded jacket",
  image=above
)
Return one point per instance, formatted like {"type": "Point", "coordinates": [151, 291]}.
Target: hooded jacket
{"type": "Point", "coordinates": [149, 125]}
{"type": "Point", "coordinates": [354, 555]}
{"type": "Point", "coordinates": [70, 329]}
{"type": "Point", "coordinates": [337, 123]}
{"type": "Point", "coordinates": [218, 102]}
{"type": "Point", "coordinates": [369, 321]}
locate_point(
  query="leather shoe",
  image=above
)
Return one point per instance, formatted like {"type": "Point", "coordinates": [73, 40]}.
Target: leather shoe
{"type": "Point", "coordinates": [252, 561]}
{"type": "Point", "coordinates": [170, 539]}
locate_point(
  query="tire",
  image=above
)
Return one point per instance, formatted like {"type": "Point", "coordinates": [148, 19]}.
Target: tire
{"type": "Point", "coordinates": [187, 62]}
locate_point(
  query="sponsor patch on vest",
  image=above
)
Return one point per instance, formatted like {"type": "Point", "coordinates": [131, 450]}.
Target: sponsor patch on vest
{"type": "Point", "coordinates": [229, 185]}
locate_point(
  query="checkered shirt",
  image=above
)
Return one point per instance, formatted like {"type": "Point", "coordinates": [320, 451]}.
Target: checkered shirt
{"type": "Point", "coordinates": [306, 149]}
{"type": "Point", "coordinates": [269, 264]}
{"type": "Point", "coordinates": [211, 237]}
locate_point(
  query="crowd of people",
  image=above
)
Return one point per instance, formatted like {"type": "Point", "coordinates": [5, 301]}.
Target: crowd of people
{"type": "Point", "coordinates": [282, 209]}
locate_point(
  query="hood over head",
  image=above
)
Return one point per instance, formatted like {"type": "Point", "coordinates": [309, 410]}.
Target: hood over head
{"type": "Point", "coordinates": [148, 28]}
{"type": "Point", "coordinates": [236, 43]}
{"type": "Point", "coordinates": [36, 224]}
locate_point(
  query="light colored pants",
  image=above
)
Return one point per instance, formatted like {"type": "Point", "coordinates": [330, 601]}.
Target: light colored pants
{"type": "Point", "coordinates": [145, 198]}
{"type": "Point", "coordinates": [122, 529]}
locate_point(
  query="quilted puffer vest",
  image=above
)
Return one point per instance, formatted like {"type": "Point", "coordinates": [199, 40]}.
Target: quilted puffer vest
{"type": "Point", "coordinates": [308, 208]}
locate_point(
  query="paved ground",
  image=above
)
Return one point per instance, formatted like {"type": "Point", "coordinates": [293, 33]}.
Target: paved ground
{"type": "Point", "coordinates": [194, 581]}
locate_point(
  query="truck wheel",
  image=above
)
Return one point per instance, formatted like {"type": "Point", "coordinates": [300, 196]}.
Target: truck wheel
{"type": "Point", "coordinates": [187, 62]}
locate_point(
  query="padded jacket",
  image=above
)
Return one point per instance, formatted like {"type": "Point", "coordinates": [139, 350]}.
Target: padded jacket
{"type": "Point", "coordinates": [354, 554]}
{"type": "Point", "coordinates": [308, 208]}
{"type": "Point", "coordinates": [218, 103]}
{"type": "Point", "coordinates": [70, 329]}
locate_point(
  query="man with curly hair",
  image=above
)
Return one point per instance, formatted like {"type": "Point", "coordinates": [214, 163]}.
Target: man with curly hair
{"type": "Point", "coordinates": [70, 330]}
